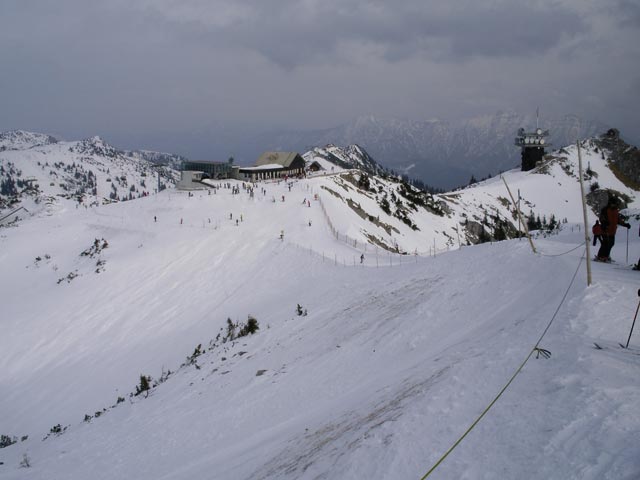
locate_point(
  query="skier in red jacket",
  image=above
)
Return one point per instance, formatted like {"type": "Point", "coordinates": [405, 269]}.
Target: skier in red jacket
{"type": "Point", "coordinates": [610, 218]}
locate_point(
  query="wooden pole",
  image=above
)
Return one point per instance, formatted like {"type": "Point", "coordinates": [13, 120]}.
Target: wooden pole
{"type": "Point", "coordinates": [519, 222]}
{"type": "Point", "coordinates": [524, 225]}
{"type": "Point", "coordinates": [587, 241]}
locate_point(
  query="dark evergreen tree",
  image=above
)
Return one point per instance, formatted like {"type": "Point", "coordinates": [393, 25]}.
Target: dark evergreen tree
{"type": "Point", "coordinates": [8, 187]}
{"type": "Point", "coordinates": [531, 221]}
{"type": "Point", "coordinates": [364, 183]}
{"type": "Point", "coordinates": [484, 237]}
{"type": "Point", "coordinates": [144, 384]}
{"type": "Point", "coordinates": [384, 204]}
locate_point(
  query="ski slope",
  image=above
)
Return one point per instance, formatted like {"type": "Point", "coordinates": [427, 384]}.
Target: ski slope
{"type": "Point", "coordinates": [395, 359]}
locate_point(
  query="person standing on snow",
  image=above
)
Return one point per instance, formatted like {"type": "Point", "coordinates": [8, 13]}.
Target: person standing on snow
{"type": "Point", "coordinates": [610, 218]}
{"type": "Point", "coordinates": [597, 232]}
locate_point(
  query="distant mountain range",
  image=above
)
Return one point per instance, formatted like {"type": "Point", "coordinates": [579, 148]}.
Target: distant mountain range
{"type": "Point", "coordinates": [440, 153]}
{"type": "Point", "coordinates": [171, 160]}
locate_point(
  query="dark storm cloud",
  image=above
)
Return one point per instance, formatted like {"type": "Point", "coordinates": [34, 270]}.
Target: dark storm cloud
{"type": "Point", "coordinates": [292, 33]}
{"type": "Point", "coordinates": [124, 68]}
{"type": "Point", "coordinates": [628, 13]}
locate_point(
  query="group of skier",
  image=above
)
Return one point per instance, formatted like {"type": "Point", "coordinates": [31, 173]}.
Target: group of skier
{"type": "Point", "coordinates": [605, 229]}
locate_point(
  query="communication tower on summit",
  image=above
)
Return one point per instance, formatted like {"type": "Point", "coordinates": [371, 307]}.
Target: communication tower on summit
{"type": "Point", "coordinates": [532, 145]}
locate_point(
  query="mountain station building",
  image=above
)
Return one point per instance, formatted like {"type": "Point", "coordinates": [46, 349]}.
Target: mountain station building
{"type": "Point", "coordinates": [193, 172]}
{"type": "Point", "coordinates": [210, 169]}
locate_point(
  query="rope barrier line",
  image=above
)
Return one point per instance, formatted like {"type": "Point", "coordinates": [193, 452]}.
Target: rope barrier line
{"type": "Point", "coordinates": [518, 370]}
{"type": "Point", "coordinates": [561, 254]}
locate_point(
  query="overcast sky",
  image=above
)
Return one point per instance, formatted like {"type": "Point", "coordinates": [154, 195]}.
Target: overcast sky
{"type": "Point", "coordinates": [131, 70]}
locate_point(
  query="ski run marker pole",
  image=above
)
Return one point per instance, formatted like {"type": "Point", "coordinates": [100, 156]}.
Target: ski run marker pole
{"type": "Point", "coordinates": [634, 322]}
{"type": "Point", "coordinates": [627, 260]}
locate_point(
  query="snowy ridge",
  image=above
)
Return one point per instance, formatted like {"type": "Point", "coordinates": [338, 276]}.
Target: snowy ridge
{"type": "Point", "coordinates": [351, 156]}
{"type": "Point", "coordinates": [380, 374]}
{"type": "Point", "coordinates": [42, 175]}
{"type": "Point", "coordinates": [22, 140]}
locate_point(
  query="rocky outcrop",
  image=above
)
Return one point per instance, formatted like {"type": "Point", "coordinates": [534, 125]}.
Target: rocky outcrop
{"type": "Point", "coordinates": [623, 159]}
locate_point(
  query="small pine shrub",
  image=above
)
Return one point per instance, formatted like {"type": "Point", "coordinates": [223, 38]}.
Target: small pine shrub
{"type": "Point", "coordinates": [6, 440]}
{"type": "Point", "coordinates": [231, 330]}
{"type": "Point", "coordinates": [196, 353]}
{"type": "Point", "coordinates": [164, 376]}
{"type": "Point", "coordinates": [249, 328]}
{"type": "Point", "coordinates": [252, 325]}
{"type": "Point", "coordinates": [144, 385]}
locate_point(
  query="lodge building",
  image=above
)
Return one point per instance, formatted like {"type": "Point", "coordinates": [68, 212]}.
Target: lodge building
{"type": "Point", "coordinates": [274, 165]}
{"type": "Point", "coordinates": [270, 165]}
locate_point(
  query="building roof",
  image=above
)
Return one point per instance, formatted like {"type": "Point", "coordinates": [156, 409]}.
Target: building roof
{"type": "Point", "coordinates": [206, 162]}
{"type": "Point", "coordinates": [268, 166]}
{"type": "Point", "coordinates": [283, 159]}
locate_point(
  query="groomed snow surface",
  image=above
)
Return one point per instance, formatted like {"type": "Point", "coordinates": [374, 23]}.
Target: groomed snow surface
{"type": "Point", "coordinates": [388, 368]}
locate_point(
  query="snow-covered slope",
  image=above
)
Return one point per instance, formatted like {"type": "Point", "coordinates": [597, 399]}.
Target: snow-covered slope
{"type": "Point", "coordinates": [388, 364]}
{"type": "Point", "coordinates": [42, 174]}
{"type": "Point", "coordinates": [552, 188]}
{"type": "Point", "coordinates": [386, 211]}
